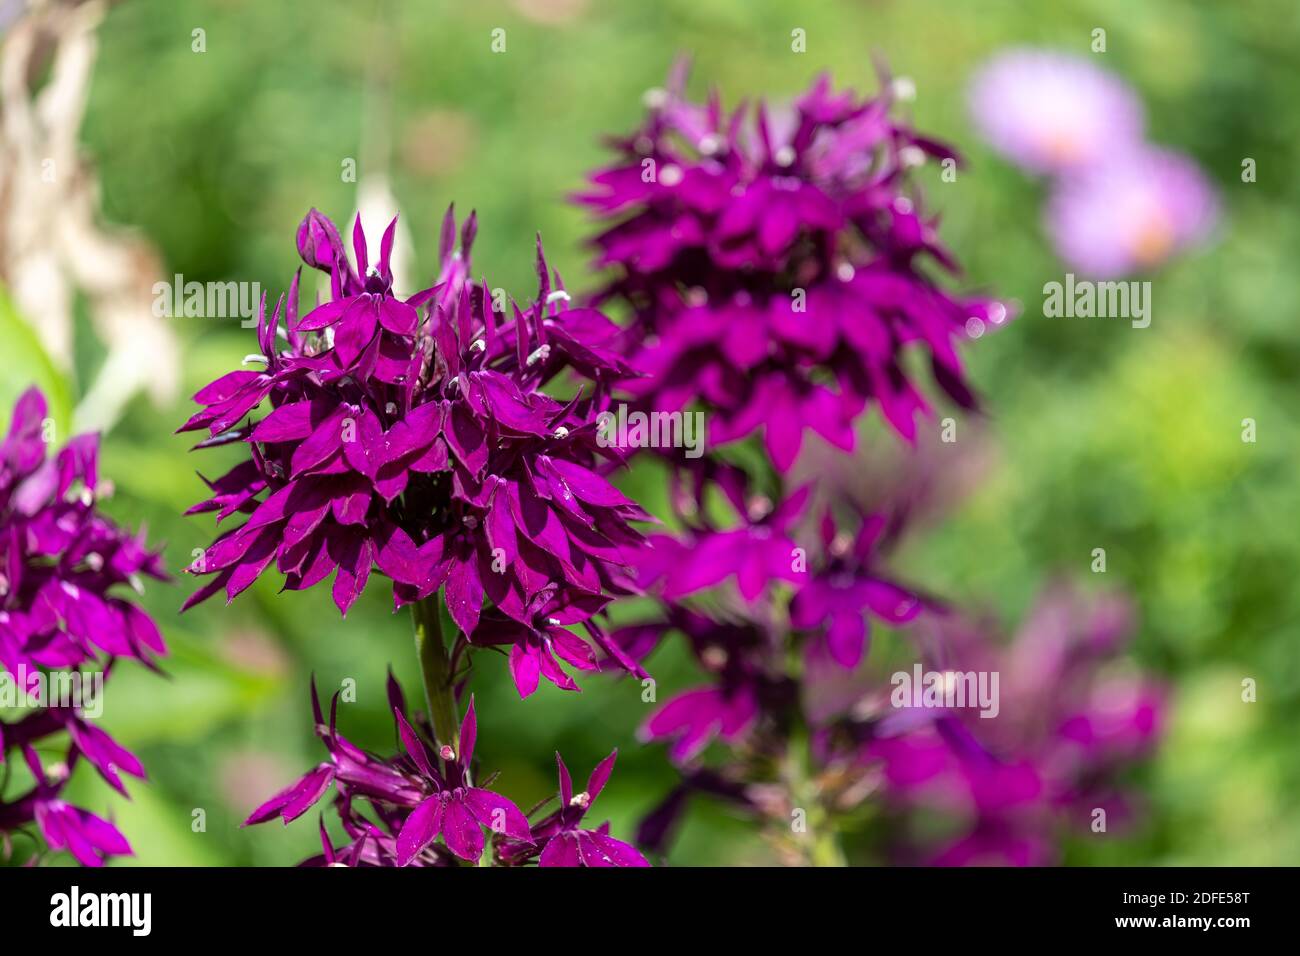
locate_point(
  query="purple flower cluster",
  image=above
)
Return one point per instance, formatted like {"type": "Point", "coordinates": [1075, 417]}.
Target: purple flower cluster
{"type": "Point", "coordinates": [1069, 725]}
{"type": "Point", "coordinates": [63, 569]}
{"type": "Point", "coordinates": [425, 811]}
{"type": "Point", "coordinates": [820, 597]}
{"type": "Point", "coordinates": [1118, 204]}
{"type": "Point", "coordinates": [411, 435]}
{"type": "Point", "coordinates": [775, 265]}
{"type": "Point", "coordinates": [722, 225]}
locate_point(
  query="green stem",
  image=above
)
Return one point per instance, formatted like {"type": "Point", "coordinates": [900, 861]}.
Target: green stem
{"type": "Point", "coordinates": [823, 845]}
{"type": "Point", "coordinates": [435, 669]}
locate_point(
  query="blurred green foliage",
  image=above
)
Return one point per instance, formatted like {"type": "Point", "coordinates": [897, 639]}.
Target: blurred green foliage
{"type": "Point", "coordinates": [1105, 436]}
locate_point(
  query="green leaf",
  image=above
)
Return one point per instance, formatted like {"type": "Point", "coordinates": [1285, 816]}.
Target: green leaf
{"type": "Point", "coordinates": [28, 364]}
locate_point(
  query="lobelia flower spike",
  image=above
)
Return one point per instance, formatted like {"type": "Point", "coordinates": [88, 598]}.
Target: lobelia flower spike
{"type": "Point", "coordinates": [63, 567]}
{"type": "Point", "coordinates": [423, 793]}
{"type": "Point", "coordinates": [422, 445]}
{"type": "Point", "coordinates": [775, 263]}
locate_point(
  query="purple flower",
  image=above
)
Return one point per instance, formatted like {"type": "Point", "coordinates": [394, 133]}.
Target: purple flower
{"type": "Point", "coordinates": [64, 568]}
{"type": "Point", "coordinates": [418, 795]}
{"type": "Point", "coordinates": [424, 793]}
{"type": "Point", "coordinates": [89, 838]}
{"type": "Point", "coordinates": [1131, 212]}
{"type": "Point", "coordinates": [455, 810]}
{"type": "Point", "coordinates": [738, 658]}
{"type": "Point", "coordinates": [422, 446]}
{"type": "Point", "coordinates": [559, 840]}
{"type": "Point", "coordinates": [1051, 112]}
{"type": "Point", "coordinates": [837, 598]}
{"type": "Point", "coordinates": [1069, 725]}
{"type": "Point", "coordinates": [693, 719]}
{"type": "Point", "coordinates": [775, 263]}
{"type": "Point", "coordinates": [757, 552]}
{"type": "Point", "coordinates": [363, 303]}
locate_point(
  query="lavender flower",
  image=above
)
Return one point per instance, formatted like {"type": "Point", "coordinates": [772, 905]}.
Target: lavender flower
{"type": "Point", "coordinates": [775, 265]}
{"type": "Point", "coordinates": [1131, 212]}
{"type": "Point", "coordinates": [1119, 205]}
{"type": "Point", "coordinates": [424, 447]}
{"type": "Point", "coordinates": [1051, 112]}
{"type": "Point", "coordinates": [63, 566]}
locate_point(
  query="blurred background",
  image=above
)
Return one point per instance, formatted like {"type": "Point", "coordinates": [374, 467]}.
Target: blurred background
{"type": "Point", "coordinates": [205, 149]}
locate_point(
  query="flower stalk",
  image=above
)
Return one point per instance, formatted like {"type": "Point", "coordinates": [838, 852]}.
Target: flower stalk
{"type": "Point", "coordinates": [822, 845]}
{"type": "Point", "coordinates": [435, 671]}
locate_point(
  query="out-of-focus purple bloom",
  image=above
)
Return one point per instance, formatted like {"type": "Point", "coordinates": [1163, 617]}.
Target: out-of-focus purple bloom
{"type": "Point", "coordinates": [837, 585]}
{"type": "Point", "coordinates": [840, 586]}
{"type": "Point", "coordinates": [775, 265]}
{"type": "Point", "coordinates": [424, 447]}
{"type": "Point", "coordinates": [745, 685]}
{"type": "Point", "coordinates": [757, 552]}
{"type": "Point", "coordinates": [1131, 212]}
{"type": "Point", "coordinates": [64, 568]}
{"type": "Point", "coordinates": [62, 563]}
{"type": "Point", "coordinates": [1068, 724]}
{"type": "Point", "coordinates": [1050, 112]}
{"type": "Point", "coordinates": [559, 840]}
